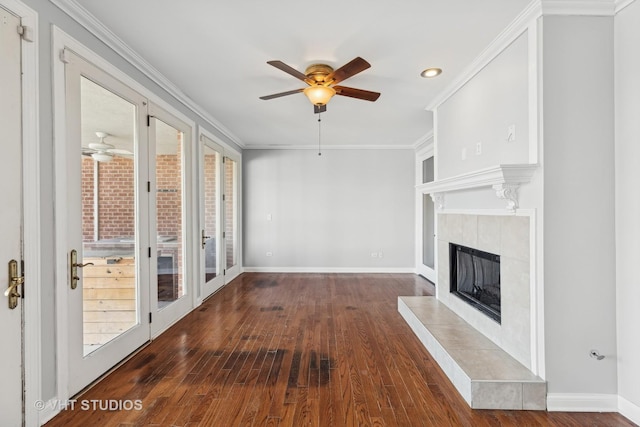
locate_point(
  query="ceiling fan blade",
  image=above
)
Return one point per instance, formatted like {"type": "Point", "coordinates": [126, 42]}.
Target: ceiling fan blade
{"type": "Point", "coordinates": [287, 69]}
{"type": "Point", "coordinates": [348, 70]}
{"type": "Point", "coordinates": [356, 93]}
{"type": "Point", "coordinates": [278, 95]}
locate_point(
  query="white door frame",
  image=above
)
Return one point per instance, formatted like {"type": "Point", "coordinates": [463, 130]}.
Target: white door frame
{"type": "Point", "coordinates": [176, 310]}
{"type": "Point", "coordinates": [237, 157]}
{"type": "Point", "coordinates": [206, 290]}
{"type": "Point", "coordinates": [423, 270]}
{"type": "Point", "coordinates": [31, 216]}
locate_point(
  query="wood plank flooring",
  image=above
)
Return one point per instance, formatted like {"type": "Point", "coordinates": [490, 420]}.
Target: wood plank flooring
{"type": "Point", "coordinates": [296, 350]}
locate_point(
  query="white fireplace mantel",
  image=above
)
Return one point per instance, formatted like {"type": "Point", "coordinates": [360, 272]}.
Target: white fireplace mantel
{"type": "Point", "coordinates": [504, 179]}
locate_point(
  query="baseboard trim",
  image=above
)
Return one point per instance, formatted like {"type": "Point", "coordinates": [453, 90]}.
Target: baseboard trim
{"type": "Point", "coordinates": [583, 402]}
{"type": "Point", "coordinates": [629, 410]}
{"type": "Point", "coordinates": [365, 270]}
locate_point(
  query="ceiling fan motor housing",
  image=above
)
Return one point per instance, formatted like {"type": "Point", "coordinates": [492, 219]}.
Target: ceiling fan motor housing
{"type": "Point", "coordinates": [318, 72]}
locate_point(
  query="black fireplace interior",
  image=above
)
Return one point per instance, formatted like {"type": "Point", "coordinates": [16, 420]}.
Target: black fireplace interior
{"type": "Point", "coordinates": [475, 277]}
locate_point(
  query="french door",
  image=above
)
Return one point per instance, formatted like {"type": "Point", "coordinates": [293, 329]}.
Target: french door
{"type": "Point", "coordinates": [11, 305]}
{"type": "Point", "coordinates": [219, 215]}
{"type": "Point", "coordinates": [105, 206]}
{"type": "Point", "coordinates": [211, 176]}
{"type": "Point", "coordinates": [172, 287]}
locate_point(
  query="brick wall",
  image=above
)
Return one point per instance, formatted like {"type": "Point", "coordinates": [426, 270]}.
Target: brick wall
{"type": "Point", "coordinates": [229, 174]}
{"type": "Point", "coordinates": [116, 198]}
{"type": "Point", "coordinates": [210, 193]}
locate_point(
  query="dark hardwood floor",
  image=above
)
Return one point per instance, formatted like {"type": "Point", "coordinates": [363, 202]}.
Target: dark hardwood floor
{"type": "Point", "coordinates": [297, 350]}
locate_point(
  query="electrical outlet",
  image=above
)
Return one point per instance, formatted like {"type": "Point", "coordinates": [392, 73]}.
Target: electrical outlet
{"type": "Point", "coordinates": [463, 154]}
{"type": "Point", "coordinates": [374, 254]}
{"type": "Point", "coordinates": [269, 253]}
{"type": "Point", "coordinates": [511, 133]}
{"type": "Point", "coordinates": [478, 148]}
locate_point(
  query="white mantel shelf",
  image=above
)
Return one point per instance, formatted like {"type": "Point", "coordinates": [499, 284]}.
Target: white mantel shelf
{"type": "Point", "coordinates": [504, 179]}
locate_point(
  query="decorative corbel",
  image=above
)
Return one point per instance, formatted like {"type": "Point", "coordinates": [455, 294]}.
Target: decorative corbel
{"type": "Point", "coordinates": [508, 192]}
{"type": "Point", "coordinates": [438, 200]}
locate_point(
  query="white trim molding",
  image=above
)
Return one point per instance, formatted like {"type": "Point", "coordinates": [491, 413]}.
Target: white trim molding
{"type": "Point", "coordinates": [579, 7]}
{"type": "Point", "coordinates": [504, 179]}
{"type": "Point", "coordinates": [629, 410]}
{"type": "Point", "coordinates": [108, 37]}
{"type": "Point", "coordinates": [621, 4]}
{"type": "Point", "coordinates": [327, 147]}
{"type": "Point", "coordinates": [582, 402]}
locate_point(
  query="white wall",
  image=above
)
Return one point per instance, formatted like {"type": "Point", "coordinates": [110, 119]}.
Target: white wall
{"type": "Point", "coordinates": [627, 148]}
{"type": "Point", "coordinates": [481, 111]}
{"type": "Point", "coordinates": [330, 211]}
{"type": "Point", "coordinates": [579, 247]}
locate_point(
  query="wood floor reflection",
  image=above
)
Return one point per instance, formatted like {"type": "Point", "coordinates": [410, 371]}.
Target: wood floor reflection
{"type": "Point", "coordinates": [296, 350]}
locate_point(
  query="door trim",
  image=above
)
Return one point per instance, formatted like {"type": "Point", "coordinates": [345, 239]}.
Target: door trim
{"type": "Point", "coordinates": [32, 242]}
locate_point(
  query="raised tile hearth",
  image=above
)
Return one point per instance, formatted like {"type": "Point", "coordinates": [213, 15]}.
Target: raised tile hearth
{"type": "Point", "coordinates": [485, 375]}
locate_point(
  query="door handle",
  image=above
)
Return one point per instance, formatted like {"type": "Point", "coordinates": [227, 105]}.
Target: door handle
{"type": "Point", "coordinates": [74, 268]}
{"type": "Point", "coordinates": [204, 239]}
{"type": "Point", "coordinates": [14, 282]}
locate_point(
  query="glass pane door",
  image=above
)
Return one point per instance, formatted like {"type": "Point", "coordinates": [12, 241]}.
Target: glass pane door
{"type": "Point", "coordinates": [211, 167]}
{"type": "Point", "coordinates": [169, 213]}
{"type": "Point", "coordinates": [230, 212]}
{"type": "Point", "coordinates": [109, 291]}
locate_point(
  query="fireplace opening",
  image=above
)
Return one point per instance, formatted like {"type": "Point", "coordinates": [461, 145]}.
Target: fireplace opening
{"type": "Point", "coordinates": [475, 278]}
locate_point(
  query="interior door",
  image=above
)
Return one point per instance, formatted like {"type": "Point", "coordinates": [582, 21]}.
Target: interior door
{"type": "Point", "coordinates": [107, 287]}
{"type": "Point", "coordinates": [169, 165]}
{"type": "Point", "coordinates": [211, 274]}
{"type": "Point", "coordinates": [10, 219]}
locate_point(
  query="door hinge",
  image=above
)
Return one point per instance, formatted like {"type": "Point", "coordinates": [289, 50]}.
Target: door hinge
{"type": "Point", "coordinates": [224, 197]}
{"type": "Point", "coordinates": [150, 317]}
{"type": "Point", "coordinates": [224, 159]}
{"type": "Point", "coordinates": [148, 186]}
{"type": "Point", "coordinates": [224, 234]}
{"type": "Point", "coordinates": [224, 272]}
{"type": "Point", "coordinates": [26, 33]}
{"type": "Point", "coordinates": [148, 120]}
{"type": "Point", "coordinates": [149, 251]}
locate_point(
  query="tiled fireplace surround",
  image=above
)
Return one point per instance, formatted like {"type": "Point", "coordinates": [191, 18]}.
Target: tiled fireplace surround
{"type": "Point", "coordinates": [494, 372]}
{"type": "Point", "coordinates": [507, 236]}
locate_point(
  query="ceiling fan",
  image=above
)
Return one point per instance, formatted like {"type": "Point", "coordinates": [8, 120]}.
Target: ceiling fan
{"type": "Point", "coordinates": [322, 80]}
{"type": "Point", "coordinates": [102, 151]}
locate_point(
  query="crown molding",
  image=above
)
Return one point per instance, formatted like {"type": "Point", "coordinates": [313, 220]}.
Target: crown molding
{"type": "Point", "coordinates": [579, 7]}
{"type": "Point", "coordinates": [423, 141]}
{"type": "Point", "coordinates": [621, 4]}
{"type": "Point", "coordinates": [109, 38]}
{"type": "Point", "coordinates": [517, 27]}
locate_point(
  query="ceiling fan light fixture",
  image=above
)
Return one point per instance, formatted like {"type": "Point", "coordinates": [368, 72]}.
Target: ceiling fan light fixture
{"type": "Point", "coordinates": [431, 72]}
{"type": "Point", "coordinates": [102, 157]}
{"type": "Point", "coordinates": [319, 94]}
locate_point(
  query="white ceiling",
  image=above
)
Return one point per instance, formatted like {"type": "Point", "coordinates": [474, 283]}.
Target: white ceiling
{"type": "Point", "coordinates": [216, 53]}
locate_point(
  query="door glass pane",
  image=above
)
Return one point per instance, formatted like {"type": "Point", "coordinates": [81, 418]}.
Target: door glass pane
{"type": "Point", "coordinates": [230, 171]}
{"type": "Point", "coordinates": [210, 212]}
{"type": "Point", "coordinates": [169, 213]}
{"type": "Point", "coordinates": [428, 230]}
{"type": "Point", "coordinates": [108, 215]}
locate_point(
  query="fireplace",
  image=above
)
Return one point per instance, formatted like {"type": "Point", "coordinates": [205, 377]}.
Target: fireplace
{"type": "Point", "coordinates": [475, 278]}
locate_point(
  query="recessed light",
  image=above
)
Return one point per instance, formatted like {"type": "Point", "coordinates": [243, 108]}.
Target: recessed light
{"type": "Point", "coordinates": [431, 72]}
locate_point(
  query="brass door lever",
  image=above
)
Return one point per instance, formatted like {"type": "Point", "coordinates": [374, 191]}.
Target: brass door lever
{"type": "Point", "coordinates": [14, 282]}
{"type": "Point", "coordinates": [74, 268]}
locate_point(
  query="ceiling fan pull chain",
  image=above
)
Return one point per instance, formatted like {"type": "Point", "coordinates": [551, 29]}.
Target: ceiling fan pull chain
{"type": "Point", "coordinates": [319, 134]}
